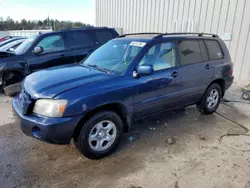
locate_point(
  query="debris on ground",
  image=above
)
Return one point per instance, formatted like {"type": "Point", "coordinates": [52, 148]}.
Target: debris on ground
{"type": "Point", "coordinates": [170, 140]}
{"type": "Point", "coordinates": [202, 138]}
{"type": "Point", "coordinates": [131, 138]}
{"type": "Point", "coordinates": [151, 128]}
{"type": "Point", "coordinates": [176, 185]}
{"type": "Point", "coordinates": [134, 186]}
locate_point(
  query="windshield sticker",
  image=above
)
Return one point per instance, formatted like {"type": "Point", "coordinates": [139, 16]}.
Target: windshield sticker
{"type": "Point", "coordinates": [138, 44]}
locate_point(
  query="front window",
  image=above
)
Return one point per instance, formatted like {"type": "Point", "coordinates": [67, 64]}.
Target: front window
{"type": "Point", "coordinates": [22, 48]}
{"type": "Point", "coordinates": [115, 56]}
{"type": "Point", "coordinates": [161, 56]}
{"type": "Point", "coordinates": [52, 43]}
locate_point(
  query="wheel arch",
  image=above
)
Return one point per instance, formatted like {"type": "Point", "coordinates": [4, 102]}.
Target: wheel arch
{"type": "Point", "coordinates": [221, 82]}
{"type": "Point", "coordinates": [116, 107]}
{"type": "Point", "coordinates": [6, 74]}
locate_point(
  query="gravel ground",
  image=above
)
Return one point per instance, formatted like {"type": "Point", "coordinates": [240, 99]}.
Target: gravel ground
{"type": "Point", "coordinates": [175, 149]}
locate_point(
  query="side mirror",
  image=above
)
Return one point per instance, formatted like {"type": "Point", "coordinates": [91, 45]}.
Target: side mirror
{"type": "Point", "coordinates": [144, 70]}
{"type": "Point", "coordinates": [11, 50]}
{"type": "Point", "coordinates": [38, 50]}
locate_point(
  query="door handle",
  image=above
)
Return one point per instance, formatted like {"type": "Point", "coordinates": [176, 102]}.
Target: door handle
{"type": "Point", "coordinates": [61, 55]}
{"type": "Point", "coordinates": [174, 74]}
{"type": "Point", "coordinates": [207, 66]}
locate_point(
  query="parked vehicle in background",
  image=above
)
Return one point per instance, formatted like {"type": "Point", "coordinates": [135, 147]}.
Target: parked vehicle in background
{"type": "Point", "coordinates": [10, 47]}
{"type": "Point", "coordinates": [3, 43]}
{"type": "Point", "coordinates": [125, 79]}
{"type": "Point", "coordinates": [6, 38]}
{"type": "Point", "coordinates": [46, 50]}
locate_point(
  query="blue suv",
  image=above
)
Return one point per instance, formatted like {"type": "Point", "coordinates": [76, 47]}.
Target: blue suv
{"type": "Point", "coordinates": [129, 77]}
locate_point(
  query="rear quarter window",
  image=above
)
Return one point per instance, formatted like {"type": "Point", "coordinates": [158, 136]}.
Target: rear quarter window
{"type": "Point", "coordinates": [104, 36]}
{"type": "Point", "coordinates": [78, 39]}
{"type": "Point", "coordinates": [214, 49]}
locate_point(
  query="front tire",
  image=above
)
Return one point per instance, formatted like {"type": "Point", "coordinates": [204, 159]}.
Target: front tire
{"type": "Point", "coordinates": [100, 135]}
{"type": "Point", "coordinates": [210, 100]}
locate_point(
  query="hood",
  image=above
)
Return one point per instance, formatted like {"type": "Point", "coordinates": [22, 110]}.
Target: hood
{"type": "Point", "coordinates": [50, 82]}
{"type": "Point", "coordinates": [4, 54]}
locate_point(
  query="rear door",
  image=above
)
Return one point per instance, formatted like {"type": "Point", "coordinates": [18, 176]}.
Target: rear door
{"type": "Point", "coordinates": [53, 53]}
{"type": "Point", "coordinates": [195, 70]}
{"type": "Point", "coordinates": [80, 44]}
{"type": "Point", "coordinates": [216, 56]}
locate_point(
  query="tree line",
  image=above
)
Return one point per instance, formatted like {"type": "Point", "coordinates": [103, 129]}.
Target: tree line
{"type": "Point", "coordinates": [55, 25]}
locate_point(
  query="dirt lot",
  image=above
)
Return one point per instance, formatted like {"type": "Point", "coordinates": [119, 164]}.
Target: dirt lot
{"type": "Point", "coordinates": [197, 158]}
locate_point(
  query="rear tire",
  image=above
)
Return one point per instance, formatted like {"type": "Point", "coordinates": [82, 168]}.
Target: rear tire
{"type": "Point", "coordinates": [210, 100]}
{"type": "Point", "coordinates": [100, 135]}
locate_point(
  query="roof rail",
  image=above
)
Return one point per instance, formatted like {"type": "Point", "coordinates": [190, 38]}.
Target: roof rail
{"type": "Point", "coordinates": [84, 27]}
{"type": "Point", "coordinates": [190, 33]}
{"type": "Point", "coordinates": [129, 34]}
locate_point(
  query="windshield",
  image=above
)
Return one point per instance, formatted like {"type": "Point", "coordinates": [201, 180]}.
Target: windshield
{"type": "Point", "coordinates": [115, 56]}
{"type": "Point", "coordinates": [22, 48]}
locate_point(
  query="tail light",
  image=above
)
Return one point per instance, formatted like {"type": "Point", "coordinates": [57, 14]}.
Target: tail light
{"type": "Point", "coordinates": [229, 71]}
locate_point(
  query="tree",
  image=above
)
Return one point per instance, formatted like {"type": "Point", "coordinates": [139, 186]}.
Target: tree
{"type": "Point", "coordinates": [56, 25]}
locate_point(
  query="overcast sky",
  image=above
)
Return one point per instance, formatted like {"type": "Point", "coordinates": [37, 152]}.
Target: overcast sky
{"type": "Point", "coordinates": [73, 10]}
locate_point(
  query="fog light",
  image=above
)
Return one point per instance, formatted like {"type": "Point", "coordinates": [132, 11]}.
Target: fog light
{"type": "Point", "coordinates": [36, 131]}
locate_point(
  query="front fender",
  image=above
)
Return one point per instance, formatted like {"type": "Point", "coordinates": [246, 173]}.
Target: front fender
{"type": "Point", "coordinates": [81, 103]}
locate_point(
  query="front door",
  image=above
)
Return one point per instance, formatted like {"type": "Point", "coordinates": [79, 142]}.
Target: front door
{"type": "Point", "coordinates": [53, 53]}
{"type": "Point", "coordinates": [160, 90]}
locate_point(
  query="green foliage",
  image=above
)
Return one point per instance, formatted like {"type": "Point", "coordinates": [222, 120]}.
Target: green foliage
{"type": "Point", "coordinates": [56, 25]}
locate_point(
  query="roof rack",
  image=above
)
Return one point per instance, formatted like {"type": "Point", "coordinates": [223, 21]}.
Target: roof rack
{"type": "Point", "coordinates": [199, 34]}
{"type": "Point", "coordinates": [129, 34]}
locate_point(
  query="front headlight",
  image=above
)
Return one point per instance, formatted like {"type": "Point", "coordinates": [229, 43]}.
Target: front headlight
{"type": "Point", "coordinates": [50, 107]}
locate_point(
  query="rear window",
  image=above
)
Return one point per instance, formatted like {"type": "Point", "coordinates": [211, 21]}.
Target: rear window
{"type": "Point", "coordinates": [214, 49]}
{"type": "Point", "coordinates": [189, 52]}
{"type": "Point", "coordinates": [104, 36]}
{"type": "Point", "coordinates": [78, 39]}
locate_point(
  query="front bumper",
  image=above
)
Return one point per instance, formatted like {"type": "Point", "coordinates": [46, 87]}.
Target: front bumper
{"type": "Point", "coordinates": [52, 130]}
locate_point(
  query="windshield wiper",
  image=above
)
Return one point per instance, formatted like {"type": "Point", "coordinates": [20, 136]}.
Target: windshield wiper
{"type": "Point", "coordinates": [99, 68]}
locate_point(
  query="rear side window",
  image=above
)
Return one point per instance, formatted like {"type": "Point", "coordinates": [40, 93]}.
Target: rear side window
{"type": "Point", "coordinates": [189, 52]}
{"type": "Point", "coordinates": [77, 39]}
{"type": "Point", "coordinates": [104, 36]}
{"type": "Point", "coordinates": [214, 49]}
